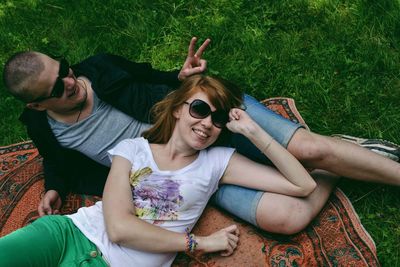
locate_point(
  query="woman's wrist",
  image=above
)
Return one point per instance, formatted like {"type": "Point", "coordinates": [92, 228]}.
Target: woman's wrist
{"type": "Point", "coordinates": [191, 241]}
{"type": "Point", "coordinates": [261, 139]}
{"type": "Point", "coordinates": [251, 131]}
{"type": "Point", "coordinates": [268, 143]}
{"type": "Point", "coordinates": [201, 243]}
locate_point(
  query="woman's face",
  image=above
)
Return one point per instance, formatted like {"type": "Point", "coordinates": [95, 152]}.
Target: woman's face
{"type": "Point", "coordinates": [196, 132]}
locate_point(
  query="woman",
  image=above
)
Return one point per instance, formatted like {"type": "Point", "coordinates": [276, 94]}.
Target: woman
{"type": "Point", "coordinates": [170, 177]}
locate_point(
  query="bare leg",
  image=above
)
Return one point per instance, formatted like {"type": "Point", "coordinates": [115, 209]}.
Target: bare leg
{"type": "Point", "coordinates": [283, 214]}
{"type": "Point", "coordinates": [343, 158]}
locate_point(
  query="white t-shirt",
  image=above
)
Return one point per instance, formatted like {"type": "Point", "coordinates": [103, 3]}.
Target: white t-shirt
{"type": "Point", "coordinates": [173, 200]}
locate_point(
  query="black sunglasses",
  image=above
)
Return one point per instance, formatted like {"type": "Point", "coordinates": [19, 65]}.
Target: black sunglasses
{"type": "Point", "coordinates": [58, 88]}
{"type": "Point", "coordinates": [199, 109]}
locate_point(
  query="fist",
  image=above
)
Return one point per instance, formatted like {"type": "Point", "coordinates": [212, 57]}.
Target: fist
{"type": "Point", "coordinates": [240, 122]}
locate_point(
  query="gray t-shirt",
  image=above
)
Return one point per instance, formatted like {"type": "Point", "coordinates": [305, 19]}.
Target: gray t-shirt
{"type": "Point", "coordinates": [98, 133]}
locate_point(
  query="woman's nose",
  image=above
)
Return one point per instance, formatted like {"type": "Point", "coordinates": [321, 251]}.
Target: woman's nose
{"type": "Point", "coordinates": [207, 121]}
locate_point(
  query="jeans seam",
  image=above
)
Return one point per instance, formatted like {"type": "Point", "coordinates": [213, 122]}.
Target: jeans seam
{"type": "Point", "coordinates": [254, 206]}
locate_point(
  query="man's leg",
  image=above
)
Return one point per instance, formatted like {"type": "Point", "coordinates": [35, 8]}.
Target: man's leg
{"type": "Point", "coordinates": [276, 213]}
{"type": "Point", "coordinates": [317, 151]}
{"type": "Point", "coordinates": [314, 151]}
{"type": "Point", "coordinates": [273, 212]}
{"type": "Point", "coordinates": [288, 215]}
{"type": "Point", "coordinates": [280, 128]}
{"type": "Point", "coordinates": [343, 158]}
{"type": "Point", "coordinates": [382, 147]}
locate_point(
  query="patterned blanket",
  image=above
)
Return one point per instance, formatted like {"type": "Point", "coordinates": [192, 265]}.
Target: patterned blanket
{"type": "Point", "coordinates": [334, 238]}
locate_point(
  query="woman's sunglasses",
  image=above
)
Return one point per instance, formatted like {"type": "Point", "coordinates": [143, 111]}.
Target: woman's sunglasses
{"type": "Point", "coordinates": [58, 88]}
{"type": "Point", "coordinates": [199, 109]}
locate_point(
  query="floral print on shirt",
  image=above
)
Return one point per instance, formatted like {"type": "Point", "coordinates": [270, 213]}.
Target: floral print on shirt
{"type": "Point", "coordinates": [155, 197]}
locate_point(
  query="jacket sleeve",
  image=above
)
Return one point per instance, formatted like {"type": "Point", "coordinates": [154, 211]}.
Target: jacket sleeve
{"type": "Point", "coordinates": [144, 72]}
{"type": "Point", "coordinates": [40, 133]}
{"type": "Point", "coordinates": [52, 179]}
{"type": "Point", "coordinates": [65, 170]}
{"type": "Point", "coordinates": [131, 87]}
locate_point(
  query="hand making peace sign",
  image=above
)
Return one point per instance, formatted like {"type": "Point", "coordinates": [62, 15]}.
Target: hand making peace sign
{"type": "Point", "coordinates": [194, 64]}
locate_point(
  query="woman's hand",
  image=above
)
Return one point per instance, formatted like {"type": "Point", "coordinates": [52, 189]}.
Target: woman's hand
{"type": "Point", "coordinates": [224, 240]}
{"type": "Point", "coordinates": [240, 122]}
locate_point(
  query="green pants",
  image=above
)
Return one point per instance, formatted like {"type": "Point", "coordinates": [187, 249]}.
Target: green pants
{"type": "Point", "coordinates": [52, 240]}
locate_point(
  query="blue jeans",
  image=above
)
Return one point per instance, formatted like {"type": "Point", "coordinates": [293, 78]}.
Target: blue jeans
{"type": "Point", "coordinates": [240, 201]}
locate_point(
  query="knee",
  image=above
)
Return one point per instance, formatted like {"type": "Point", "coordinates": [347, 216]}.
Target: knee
{"type": "Point", "coordinates": [298, 221]}
{"type": "Point", "coordinates": [291, 220]}
{"type": "Point", "coordinates": [310, 147]}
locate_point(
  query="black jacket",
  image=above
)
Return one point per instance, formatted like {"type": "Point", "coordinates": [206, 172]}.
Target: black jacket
{"type": "Point", "coordinates": [130, 87]}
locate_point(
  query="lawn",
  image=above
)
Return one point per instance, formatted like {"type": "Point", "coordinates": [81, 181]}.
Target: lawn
{"type": "Point", "coordinates": [340, 61]}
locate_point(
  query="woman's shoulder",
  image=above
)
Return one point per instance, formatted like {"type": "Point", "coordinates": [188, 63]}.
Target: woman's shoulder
{"type": "Point", "coordinates": [218, 152]}
{"type": "Point", "coordinates": [220, 149]}
{"type": "Point", "coordinates": [130, 144]}
{"type": "Point", "coordinates": [216, 160]}
{"type": "Point", "coordinates": [136, 150]}
{"type": "Point", "coordinates": [134, 141]}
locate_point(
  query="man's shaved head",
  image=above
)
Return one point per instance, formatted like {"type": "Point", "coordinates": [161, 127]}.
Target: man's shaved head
{"type": "Point", "coordinates": [20, 71]}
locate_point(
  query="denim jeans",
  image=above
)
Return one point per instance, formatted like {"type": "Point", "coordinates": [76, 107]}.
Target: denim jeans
{"type": "Point", "coordinates": [240, 201]}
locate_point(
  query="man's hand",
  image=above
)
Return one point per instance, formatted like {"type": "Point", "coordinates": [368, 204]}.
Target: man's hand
{"type": "Point", "coordinates": [50, 203]}
{"type": "Point", "coordinates": [194, 64]}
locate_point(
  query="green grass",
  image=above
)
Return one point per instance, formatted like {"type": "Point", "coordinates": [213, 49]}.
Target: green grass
{"type": "Point", "coordinates": [340, 61]}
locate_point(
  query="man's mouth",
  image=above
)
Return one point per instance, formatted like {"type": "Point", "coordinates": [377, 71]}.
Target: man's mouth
{"type": "Point", "coordinates": [74, 92]}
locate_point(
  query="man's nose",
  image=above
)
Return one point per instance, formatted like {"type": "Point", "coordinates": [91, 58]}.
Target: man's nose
{"type": "Point", "coordinates": [69, 82]}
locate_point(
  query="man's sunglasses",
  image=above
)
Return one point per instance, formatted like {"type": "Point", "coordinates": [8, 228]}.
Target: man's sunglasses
{"type": "Point", "coordinates": [199, 109]}
{"type": "Point", "coordinates": [58, 88]}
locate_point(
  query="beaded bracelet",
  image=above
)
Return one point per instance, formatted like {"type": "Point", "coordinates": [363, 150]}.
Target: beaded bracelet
{"type": "Point", "coordinates": [191, 242]}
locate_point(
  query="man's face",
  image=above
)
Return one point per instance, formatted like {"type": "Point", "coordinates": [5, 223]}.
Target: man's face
{"type": "Point", "coordinates": [56, 88]}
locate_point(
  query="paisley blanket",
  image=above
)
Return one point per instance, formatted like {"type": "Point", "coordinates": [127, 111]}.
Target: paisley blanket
{"type": "Point", "coordinates": [335, 237]}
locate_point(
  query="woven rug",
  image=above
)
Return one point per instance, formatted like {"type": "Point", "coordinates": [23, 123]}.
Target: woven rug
{"type": "Point", "coordinates": [335, 237]}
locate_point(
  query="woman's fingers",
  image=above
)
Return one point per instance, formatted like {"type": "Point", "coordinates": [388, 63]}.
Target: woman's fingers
{"type": "Point", "coordinates": [232, 235]}
{"type": "Point", "coordinates": [228, 251]}
{"type": "Point", "coordinates": [234, 114]}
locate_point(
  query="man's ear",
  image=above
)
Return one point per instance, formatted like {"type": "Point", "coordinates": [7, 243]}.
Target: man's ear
{"type": "Point", "coordinates": [35, 106]}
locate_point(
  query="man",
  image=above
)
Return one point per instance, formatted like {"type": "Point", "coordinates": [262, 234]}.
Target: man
{"type": "Point", "coordinates": [57, 95]}
{"type": "Point", "coordinates": [75, 114]}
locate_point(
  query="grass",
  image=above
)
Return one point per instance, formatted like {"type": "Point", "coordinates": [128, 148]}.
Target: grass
{"type": "Point", "coordinates": [340, 61]}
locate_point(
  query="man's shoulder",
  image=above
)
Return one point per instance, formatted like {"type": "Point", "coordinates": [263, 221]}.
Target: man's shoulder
{"type": "Point", "coordinates": [32, 116]}
{"type": "Point", "coordinates": [94, 58]}
{"type": "Point", "coordinates": [38, 128]}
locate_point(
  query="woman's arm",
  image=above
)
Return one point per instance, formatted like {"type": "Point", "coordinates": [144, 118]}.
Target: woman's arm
{"type": "Point", "coordinates": [290, 179]}
{"type": "Point", "coordinates": [125, 229]}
